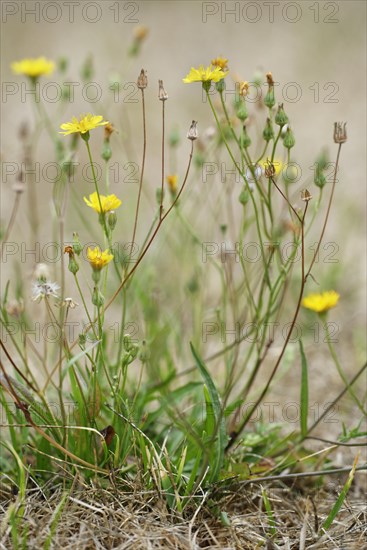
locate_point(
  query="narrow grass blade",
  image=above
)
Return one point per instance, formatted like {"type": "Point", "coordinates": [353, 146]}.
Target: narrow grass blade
{"type": "Point", "coordinates": [221, 439]}
{"type": "Point", "coordinates": [339, 501]}
{"type": "Point", "coordinates": [304, 391]}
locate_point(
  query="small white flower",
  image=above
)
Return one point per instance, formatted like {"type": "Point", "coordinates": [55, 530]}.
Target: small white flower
{"type": "Point", "coordinates": [42, 289]}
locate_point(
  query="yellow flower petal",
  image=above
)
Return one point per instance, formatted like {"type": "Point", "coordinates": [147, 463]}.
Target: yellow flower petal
{"type": "Point", "coordinates": [97, 258]}
{"type": "Point", "coordinates": [108, 203]}
{"type": "Point", "coordinates": [83, 125]}
{"type": "Point", "coordinates": [321, 303]}
{"type": "Point", "coordinates": [33, 67]}
{"type": "Point", "coordinates": [214, 74]}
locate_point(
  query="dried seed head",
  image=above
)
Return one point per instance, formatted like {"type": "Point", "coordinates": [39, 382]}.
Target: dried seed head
{"type": "Point", "coordinates": [269, 169]}
{"type": "Point", "coordinates": [193, 131]}
{"type": "Point", "coordinates": [306, 195]}
{"type": "Point", "coordinates": [162, 94]}
{"type": "Point", "coordinates": [340, 132]}
{"type": "Point", "coordinates": [142, 80]}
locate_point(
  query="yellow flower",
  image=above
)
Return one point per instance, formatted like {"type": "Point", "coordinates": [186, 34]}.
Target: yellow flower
{"type": "Point", "coordinates": [221, 62]}
{"type": "Point", "coordinates": [86, 123]}
{"type": "Point", "coordinates": [277, 163]}
{"type": "Point", "coordinates": [33, 67]}
{"type": "Point", "coordinates": [97, 258]}
{"type": "Point", "coordinates": [172, 182]}
{"type": "Point", "coordinates": [321, 302]}
{"type": "Point", "coordinates": [205, 75]}
{"type": "Point", "coordinates": [108, 203]}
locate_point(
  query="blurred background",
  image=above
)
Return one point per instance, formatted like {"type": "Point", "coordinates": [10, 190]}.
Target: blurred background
{"type": "Point", "coordinates": [316, 51]}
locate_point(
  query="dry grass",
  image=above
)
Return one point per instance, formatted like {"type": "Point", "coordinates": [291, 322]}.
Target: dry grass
{"type": "Point", "coordinates": [105, 518]}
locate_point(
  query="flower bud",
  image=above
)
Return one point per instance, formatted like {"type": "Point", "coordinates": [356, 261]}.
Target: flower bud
{"type": "Point", "coordinates": [242, 113]}
{"type": "Point", "coordinates": [172, 180]}
{"type": "Point", "coordinates": [192, 134]}
{"type": "Point", "coordinates": [281, 118]}
{"type": "Point", "coordinates": [97, 297]}
{"type": "Point", "coordinates": [244, 196]}
{"type": "Point", "coordinates": [268, 133]}
{"type": "Point", "coordinates": [82, 340]}
{"type": "Point", "coordinates": [63, 64]}
{"type": "Point", "coordinates": [73, 264]}
{"type": "Point", "coordinates": [77, 246]}
{"type": "Point", "coordinates": [269, 99]}
{"type": "Point", "coordinates": [127, 342]}
{"type": "Point", "coordinates": [245, 140]}
{"type": "Point", "coordinates": [319, 178]}
{"type": "Point", "coordinates": [112, 219]}
{"type": "Point", "coordinates": [289, 139]}
{"type": "Point", "coordinates": [106, 150]}
{"type": "Point", "coordinates": [220, 86]}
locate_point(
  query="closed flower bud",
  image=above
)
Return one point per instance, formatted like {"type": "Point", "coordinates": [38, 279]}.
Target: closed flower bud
{"type": "Point", "coordinates": [220, 86]}
{"type": "Point", "coordinates": [242, 113]}
{"type": "Point", "coordinates": [63, 64]}
{"type": "Point", "coordinates": [97, 297]}
{"type": "Point", "coordinates": [77, 246]}
{"type": "Point", "coordinates": [82, 340]}
{"type": "Point", "coordinates": [193, 131]}
{"type": "Point", "coordinates": [289, 139]}
{"type": "Point", "coordinates": [142, 80]}
{"type": "Point", "coordinates": [245, 140]}
{"type": "Point", "coordinates": [127, 341]}
{"type": "Point", "coordinates": [112, 219]}
{"type": "Point", "coordinates": [244, 196]}
{"type": "Point", "coordinates": [323, 160]}
{"type": "Point", "coordinates": [269, 99]}
{"type": "Point", "coordinates": [319, 179]}
{"type": "Point", "coordinates": [281, 118]}
{"type": "Point", "coordinates": [73, 265]}
{"type": "Point", "coordinates": [106, 150]}
{"type": "Point", "coordinates": [268, 133]}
